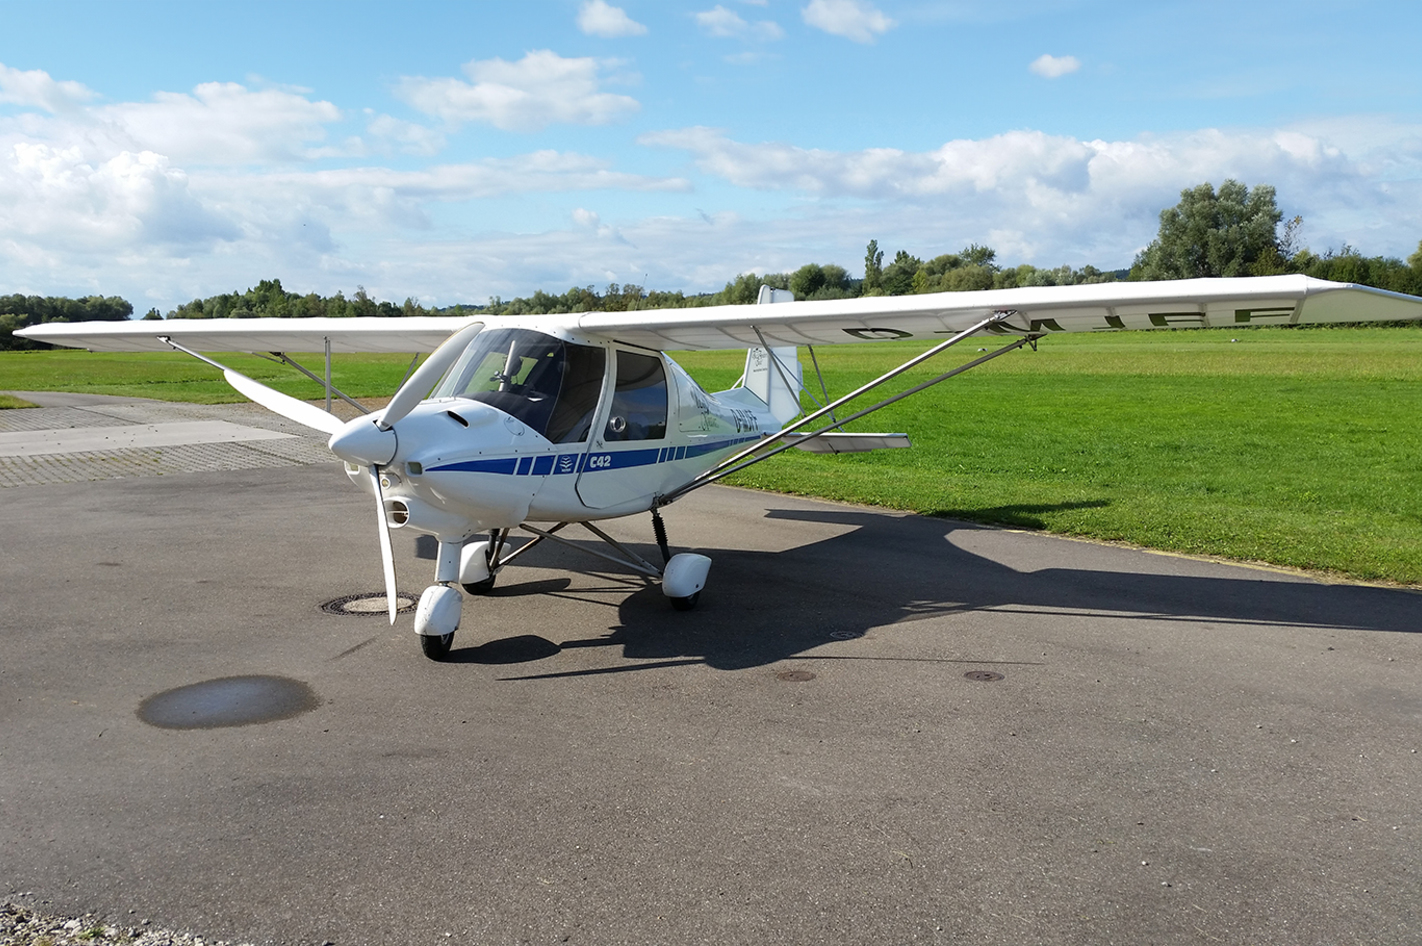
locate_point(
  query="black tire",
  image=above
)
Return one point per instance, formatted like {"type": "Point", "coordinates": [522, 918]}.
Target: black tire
{"type": "Point", "coordinates": [687, 603]}
{"type": "Point", "coordinates": [480, 587]}
{"type": "Point", "coordinates": [436, 646]}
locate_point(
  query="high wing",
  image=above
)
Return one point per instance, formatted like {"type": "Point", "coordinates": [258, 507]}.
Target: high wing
{"type": "Point", "coordinates": [1099, 307]}
{"type": "Point", "coordinates": [1045, 310]}
{"type": "Point", "coordinates": [365, 334]}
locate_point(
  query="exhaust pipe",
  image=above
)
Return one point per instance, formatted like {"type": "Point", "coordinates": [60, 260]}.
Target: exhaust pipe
{"type": "Point", "coordinates": [424, 517]}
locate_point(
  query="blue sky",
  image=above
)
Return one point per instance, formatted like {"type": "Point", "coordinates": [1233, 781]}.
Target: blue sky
{"type": "Point", "coordinates": [455, 151]}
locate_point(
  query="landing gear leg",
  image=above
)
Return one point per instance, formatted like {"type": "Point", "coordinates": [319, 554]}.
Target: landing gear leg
{"type": "Point", "coordinates": [684, 575]}
{"type": "Point", "coordinates": [476, 563]}
{"type": "Point", "coordinates": [437, 617]}
{"type": "Point", "coordinates": [659, 529]}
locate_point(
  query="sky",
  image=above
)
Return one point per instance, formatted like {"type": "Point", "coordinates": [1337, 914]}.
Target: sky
{"type": "Point", "coordinates": [452, 152]}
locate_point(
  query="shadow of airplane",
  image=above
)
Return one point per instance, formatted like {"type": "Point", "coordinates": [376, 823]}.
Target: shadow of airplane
{"type": "Point", "coordinates": [766, 607]}
{"type": "Point", "coordinates": [1020, 516]}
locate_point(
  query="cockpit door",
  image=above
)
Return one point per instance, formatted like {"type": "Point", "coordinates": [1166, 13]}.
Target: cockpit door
{"type": "Point", "coordinates": [630, 436]}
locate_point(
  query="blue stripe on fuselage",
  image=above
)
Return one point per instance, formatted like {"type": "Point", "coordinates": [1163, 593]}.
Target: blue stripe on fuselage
{"type": "Point", "coordinates": [591, 462]}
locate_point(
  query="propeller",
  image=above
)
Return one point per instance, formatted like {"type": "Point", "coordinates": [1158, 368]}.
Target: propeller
{"type": "Point", "coordinates": [308, 415]}
{"type": "Point", "coordinates": [387, 553]}
{"type": "Point", "coordinates": [413, 391]}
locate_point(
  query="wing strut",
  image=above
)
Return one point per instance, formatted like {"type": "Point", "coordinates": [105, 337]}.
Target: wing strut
{"type": "Point", "coordinates": [280, 358]}
{"type": "Point", "coordinates": [752, 455]}
{"type": "Point", "coordinates": [308, 415]}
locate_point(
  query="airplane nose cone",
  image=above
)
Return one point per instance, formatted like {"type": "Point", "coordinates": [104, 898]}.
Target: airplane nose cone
{"type": "Point", "coordinates": [362, 442]}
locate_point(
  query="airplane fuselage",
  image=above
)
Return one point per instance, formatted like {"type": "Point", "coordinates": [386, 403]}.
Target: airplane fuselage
{"type": "Point", "coordinates": [544, 426]}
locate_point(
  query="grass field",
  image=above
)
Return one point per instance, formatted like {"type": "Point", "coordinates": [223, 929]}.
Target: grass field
{"type": "Point", "coordinates": [1298, 448]}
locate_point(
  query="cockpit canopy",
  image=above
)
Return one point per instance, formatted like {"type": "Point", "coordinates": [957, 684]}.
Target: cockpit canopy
{"type": "Point", "coordinates": [551, 385]}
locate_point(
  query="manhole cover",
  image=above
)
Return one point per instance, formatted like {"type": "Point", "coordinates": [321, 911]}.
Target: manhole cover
{"type": "Point", "coordinates": [372, 602]}
{"type": "Point", "coordinates": [983, 676]}
{"type": "Point", "coordinates": [228, 701]}
{"type": "Point", "coordinates": [846, 635]}
{"type": "Point", "coordinates": [794, 676]}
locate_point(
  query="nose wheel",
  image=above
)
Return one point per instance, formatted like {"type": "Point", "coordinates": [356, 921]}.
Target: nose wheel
{"type": "Point", "coordinates": [436, 620]}
{"type": "Point", "coordinates": [686, 603]}
{"type": "Point", "coordinates": [436, 646]}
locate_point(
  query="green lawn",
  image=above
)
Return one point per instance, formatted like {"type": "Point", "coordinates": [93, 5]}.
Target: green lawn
{"type": "Point", "coordinates": [171, 376]}
{"type": "Point", "coordinates": [1298, 448]}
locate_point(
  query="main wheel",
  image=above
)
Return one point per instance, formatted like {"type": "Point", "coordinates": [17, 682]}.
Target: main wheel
{"type": "Point", "coordinates": [687, 603]}
{"type": "Point", "coordinates": [436, 646]}
{"type": "Point", "coordinates": [480, 587]}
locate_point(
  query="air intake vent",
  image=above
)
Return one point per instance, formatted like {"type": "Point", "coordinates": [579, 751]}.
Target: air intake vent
{"type": "Point", "coordinates": [462, 421]}
{"type": "Point", "coordinates": [397, 513]}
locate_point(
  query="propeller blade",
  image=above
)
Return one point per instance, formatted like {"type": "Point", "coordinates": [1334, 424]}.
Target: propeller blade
{"type": "Point", "coordinates": [441, 360]}
{"type": "Point", "coordinates": [289, 407]}
{"type": "Point", "coordinates": [387, 553]}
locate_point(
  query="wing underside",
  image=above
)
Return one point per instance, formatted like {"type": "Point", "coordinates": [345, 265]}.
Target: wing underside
{"type": "Point", "coordinates": [1102, 307]}
{"type": "Point", "coordinates": [399, 335]}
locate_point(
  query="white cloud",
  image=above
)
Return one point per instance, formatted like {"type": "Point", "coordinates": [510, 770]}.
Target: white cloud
{"type": "Point", "coordinates": [599, 18]}
{"type": "Point", "coordinates": [56, 199]}
{"type": "Point", "coordinates": [727, 24]}
{"type": "Point", "coordinates": [37, 89]}
{"type": "Point", "coordinates": [409, 137]}
{"type": "Point", "coordinates": [1054, 67]}
{"type": "Point", "coordinates": [90, 201]}
{"type": "Point", "coordinates": [540, 89]}
{"type": "Point", "coordinates": [1057, 198]}
{"type": "Point", "coordinates": [224, 123]}
{"type": "Point", "coordinates": [218, 123]}
{"type": "Point", "coordinates": [852, 19]}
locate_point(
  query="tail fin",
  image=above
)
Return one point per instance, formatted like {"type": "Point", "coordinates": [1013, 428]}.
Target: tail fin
{"type": "Point", "coordinates": [775, 375]}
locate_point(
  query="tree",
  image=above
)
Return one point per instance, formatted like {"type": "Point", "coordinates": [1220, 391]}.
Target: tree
{"type": "Point", "coordinates": [873, 270]}
{"type": "Point", "coordinates": [1209, 234]}
{"type": "Point", "coordinates": [19, 311]}
{"type": "Point", "coordinates": [807, 280]}
{"type": "Point", "coordinates": [1348, 265]}
{"type": "Point", "coordinates": [813, 281]}
{"type": "Point", "coordinates": [983, 256]}
{"type": "Point", "coordinates": [897, 278]}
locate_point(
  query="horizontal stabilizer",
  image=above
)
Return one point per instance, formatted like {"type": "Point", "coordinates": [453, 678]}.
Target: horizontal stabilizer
{"type": "Point", "coordinates": [848, 443]}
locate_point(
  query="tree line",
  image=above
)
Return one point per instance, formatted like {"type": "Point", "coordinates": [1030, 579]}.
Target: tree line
{"type": "Point", "coordinates": [19, 311]}
{"type": "Point", "coordinates": [1234, 231]}
{"type": "Point", "coordinates": [269, 300]}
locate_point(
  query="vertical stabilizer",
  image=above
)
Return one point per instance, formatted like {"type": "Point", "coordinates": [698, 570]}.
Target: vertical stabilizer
{"type": "Point", "coordinates": [774, 375]}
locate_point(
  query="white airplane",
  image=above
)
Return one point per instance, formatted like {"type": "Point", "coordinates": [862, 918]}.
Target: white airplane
{"type": "Point", "coordinates": [535, 423]}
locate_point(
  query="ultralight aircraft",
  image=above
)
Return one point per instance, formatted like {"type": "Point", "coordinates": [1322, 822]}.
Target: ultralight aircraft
{"type": "Point", "coordinates": [536, 423]}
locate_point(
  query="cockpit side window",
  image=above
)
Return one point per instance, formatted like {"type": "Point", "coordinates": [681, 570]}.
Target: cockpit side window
{"type": "Point", "coordinates": [550, 385]}
{"type": "Point", "coordinates": [577, 399]}
{"type": "Point", "coordinates": [639, 404]}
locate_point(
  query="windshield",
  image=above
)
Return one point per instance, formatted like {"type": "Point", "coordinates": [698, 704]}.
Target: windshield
{"type": "Point", "coordinates": [550, 385]}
